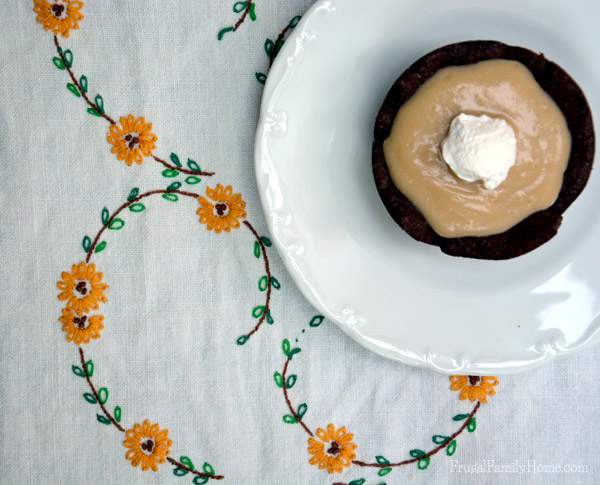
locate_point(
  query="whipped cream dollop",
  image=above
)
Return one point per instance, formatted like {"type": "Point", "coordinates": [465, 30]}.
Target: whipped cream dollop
{"type": "Point", "coordinates": [480, 148]}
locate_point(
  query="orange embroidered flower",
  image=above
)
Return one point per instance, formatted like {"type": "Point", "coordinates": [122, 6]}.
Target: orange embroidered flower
{"type": "Point", "coordinates": [147, 445]}
{"type": "Point", "coordinates": [334, 449]}
{"type": "Point", "coordinates": [474, 388]}
{"type": "Point", "coordinates": [132, 139]}
{"type": "Point", "coordinates": [82, 288]}
{"type": "Point", "coordinates": [225, 210]}
{"type": "Point", "coordinates": [58, 16]}
{"type": "Point", "coordinates": [81, 329]}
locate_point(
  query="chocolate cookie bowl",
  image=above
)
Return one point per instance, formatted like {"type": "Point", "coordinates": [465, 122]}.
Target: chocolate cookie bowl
{"type": "Point", "coordinates": [537, 228]}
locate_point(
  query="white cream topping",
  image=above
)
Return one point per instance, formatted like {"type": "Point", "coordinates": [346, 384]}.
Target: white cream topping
{"type": "Point", "coordinates": [480, 148]}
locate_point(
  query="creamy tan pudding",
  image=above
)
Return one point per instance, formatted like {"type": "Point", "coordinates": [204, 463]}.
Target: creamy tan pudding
{"type": "Point", "coordinates": [499, 89]}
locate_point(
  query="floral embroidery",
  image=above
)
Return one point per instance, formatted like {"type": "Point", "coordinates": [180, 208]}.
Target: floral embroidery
{"type": "Point", "coordinates": [82, 288]}
{"type": "Point", "coordinates": [225, 210]}
{"type": "Point", "coordinates": [132, 139]}
{"type": "Point", "coordinates": [474, 388]}
{"type": "Point", "coordinates": [332, 450]}
{"type": "Point", "coordinates": [272, 48]}
{"type": "Point", "coordinates": [247, 8]}
{"type": "Point", "coordinates": [81, 329]}
{"type": "Point", "coordinates": [58, 16]}
{"type": "Point", "coordinates": [147, 445]}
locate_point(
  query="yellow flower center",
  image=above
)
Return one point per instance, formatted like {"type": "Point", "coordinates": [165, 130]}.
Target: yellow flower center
{"type": "Point", "coordinates": [59, 9]}
{"type": "Point", "coordinates": [334, 449]}
{"type": "Point", "coordinates": [474, 380]}
{"type": "Point", "coordinates": [221, 209]}
{"type": "Point", "coordinates": [148, 447]}
{"type": "Point", "coordinates": [81, 322]}
{"type": "Point", "coordinates": [132, 140]}
{"type": "Point", "coordinates": [82, 288]}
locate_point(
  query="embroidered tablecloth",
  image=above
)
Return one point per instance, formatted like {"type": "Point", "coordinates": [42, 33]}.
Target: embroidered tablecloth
{"type": "Point", "coordinates": [150, 333]}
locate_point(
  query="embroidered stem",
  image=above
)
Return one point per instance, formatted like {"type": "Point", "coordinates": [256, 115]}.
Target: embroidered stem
{"type": "Point", "coordinates": [244, 15]}
{"type": "Point", "coordinates": [430, 453]}
{"type": "Point", "coordinates": [125, 206]}
{"type": "Point", "coordinates": [279, 39]}
{"type": "Point", "coordinates": [95, 393]}
{"type": "Point", "coordinates": [178, 464]}
{"type": "Point", "coordinates": [79, 88]}
{"type": "Point", "coordinates": [269, 283]}
{"type": "Point", "coordinates": [181, 169]}
{"type": "Point", "coordinates": [289, 403]}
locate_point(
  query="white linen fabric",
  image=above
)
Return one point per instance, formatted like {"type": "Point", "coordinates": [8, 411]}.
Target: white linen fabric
{"type": "Point", "coordinates": [179, 295]}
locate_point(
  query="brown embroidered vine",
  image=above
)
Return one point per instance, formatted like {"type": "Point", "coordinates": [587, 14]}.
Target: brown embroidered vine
{"type": "Point", "coordinates": [181, 466]}
{"type": "Point", "coordinates": [249, 6]}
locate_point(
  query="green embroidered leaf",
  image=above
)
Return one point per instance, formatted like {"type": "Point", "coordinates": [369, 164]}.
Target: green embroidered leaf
{"type": "Point", "coordinates": [99, 100]}
{"type": "Point", "coordinates": [384, 471]}
{"type": "Point", "coordinates": [200, 480]}
{"type": "Point", "coordinates": [278, 46]}
{"type": "Point", "coordinates": [170, 197]}
{"type": "Point", "coordinates": [451, 448]}
{"type": "Point", "coordinates": [294, 21]}
{"type": "Point", "coordinates": [93, 112]}
{"type": "Point", "coordinates": [101, 247]}
{"type": "Point", "coordinates": [423, 463]}
{"type": "Point", "coordinates": [170, 173]}
{"type": "Point", "coordinates": [103, 395]}
{"type": "Point", "coordinates": [252, 12]}
{"type": "Point", "coordinates": [174, 186]}
{"type": "Point", "coordinates": [266, 241]}
{"type": "Point", "coordinates": [180, 472]}
{"type": "Point", "coordinates": [193, 180]}
{"type": "Point", "coordinates": [439, 439]}
{"type": "Point", "coordinates": [286, 347]}
{"type": "Point", "coordinates": [258, 311]}
{"type": "Point", "coordinates": [102, 419]}
{"type": "Point", "coordinates": [270, 320]}
{"type": "Point", "coordinates": [242, 339]}
{"type": "Point", "coordinates": [269, 46]}
{"type": "Point", "coordinates": [133, 194]}
{"type": "Point", "coordinates": [68, 57]}
{"type": "Point", "coordinates": [86, 243]}
{"type": "Point", "coordinates": [275, 283]}
{"type": "Point", "coordinates": [89, 397]}
{"type": "Point", "coordinates": [83, 82]}
{"type": "Point", "coordinates": [382, 460]}
{"type": "Point", "coordinates": [471, 425]}
{"type": "Point", "coordinates": [295, 351]}
{"type": "Point", "coordinates": [105, 216]}
{"type": "Point", "coordinates": [71, 87]}
{"type": "Point", "coordinates": [316, 320]}
{"type": "Point", "coordinates": [263, 282]}
{"type": "Point", "coordinates": [291, 380]}
{"type": "Point", "coordinates": [289, 419]}
{"type": "Point", "coordinates": [359, 481]}
{"type": "Point", "coordinates": [186, 460]}
{"type": "Point", "coordinates": [116, 224]}
{"type": "Point", "coordinates": [256, 249]}
{"type": "Point", "coordinates": [460, 417]}
{"type": "Point", "coordinates": [278, 378]}
{"type": "Point", "coordinates": [192, 165]}
{"type": "Point", "coordinates": [137, 207]}
{"type": "Point", "coordinates": [208, 469]}
{"type": "Point", "coordinates": [58, 62]}
{"type": "Point", "coordinates": [239, 7]}
{"type": "Point", "coordinates": [302, 410]}
{"type": "Point", "coordinates": [118, 414]}
{"type": "Point", "coordinates": [223, 31]}
{"type": "Point", "coordinates": [260, 77]}
{"type": "Point", "coordinates": [175, 159]}
{"type": "Point", "coordinates": [89, 368]}
{"type": "Point", "coordinates": [78, 371]}
{"type": "Point", "coordinates": [416, 453]}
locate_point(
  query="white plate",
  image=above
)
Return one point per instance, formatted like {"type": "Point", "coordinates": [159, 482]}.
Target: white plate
{"type": "Point", "coordinates": [400, 298]}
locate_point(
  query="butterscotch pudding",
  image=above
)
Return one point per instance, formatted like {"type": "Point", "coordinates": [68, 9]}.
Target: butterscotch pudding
{"type": "Point", "coordinates": [480, 147]}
